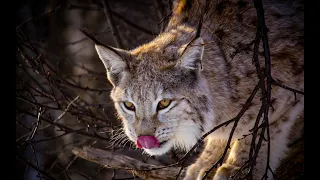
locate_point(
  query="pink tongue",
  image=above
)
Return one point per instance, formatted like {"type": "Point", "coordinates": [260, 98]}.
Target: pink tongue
{"type": "Point", "coordinates": [147, 142]}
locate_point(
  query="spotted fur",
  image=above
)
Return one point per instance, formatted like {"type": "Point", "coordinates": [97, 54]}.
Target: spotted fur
{"type": "Point", "coordinates": [208, 80]}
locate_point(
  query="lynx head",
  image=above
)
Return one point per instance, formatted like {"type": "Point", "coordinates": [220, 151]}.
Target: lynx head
{"type": "Point", "coordinates": [160, 93]}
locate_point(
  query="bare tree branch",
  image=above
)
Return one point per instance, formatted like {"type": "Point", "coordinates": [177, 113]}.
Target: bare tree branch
{"type": "Point", "coordinates": [116, 161]}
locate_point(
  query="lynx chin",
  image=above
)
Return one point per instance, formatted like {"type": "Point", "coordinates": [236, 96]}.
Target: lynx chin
{"type": "Point", "coordinates": [172, 90]}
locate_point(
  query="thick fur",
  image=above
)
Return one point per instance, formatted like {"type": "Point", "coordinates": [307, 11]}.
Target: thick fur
{"type": "Point", "coordinates": [209, 79]}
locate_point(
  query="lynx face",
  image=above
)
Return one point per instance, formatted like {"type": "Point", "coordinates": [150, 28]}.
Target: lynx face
{"type": "Point", "coordinates": [162, 104]}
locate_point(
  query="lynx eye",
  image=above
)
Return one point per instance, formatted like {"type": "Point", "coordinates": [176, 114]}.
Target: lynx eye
{"type": "Point", "coordinates": [129, 105]}
{"type": "Point", "coordinates": [163, 104]}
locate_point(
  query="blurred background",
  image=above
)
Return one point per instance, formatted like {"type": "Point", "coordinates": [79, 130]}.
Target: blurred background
{"type": "Point", "coordinates": [62, 93]}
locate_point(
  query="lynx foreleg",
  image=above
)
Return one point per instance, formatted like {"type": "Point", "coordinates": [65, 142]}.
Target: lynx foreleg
{"type": "Point", "coordinates": [211, 154]}
{"type": "Point", "coordinates": [239, 154]}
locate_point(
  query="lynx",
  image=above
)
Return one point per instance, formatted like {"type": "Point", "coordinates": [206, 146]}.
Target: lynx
{"type": "Point", "coordinates": [172, 90]}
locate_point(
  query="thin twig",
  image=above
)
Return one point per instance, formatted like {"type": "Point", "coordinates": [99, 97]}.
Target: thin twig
{"type": "Point", "coordinates": [52, 138]}
{"type": "Point", "coordinates": [67, 167]}
{"type": "Point", "coordinates": [65, 128]}
{"type": "Point", "coordinates": [159, 9]}
{"type": "Point", "coordinates": [132, 24]}
{"type": "Point", "coordinates": [37, 17]}
{"type": "Point", "coordinates": [115, 14]}
{"type": "Point", "coordinates": [30, 137]}
{"type": "Point", "coordinates": [113, 28]}
{"type": "Point", "coordinates": [35, 156]}
{"type": "Point", "coordinates": [62, 114]}
{"type": "Point", "coordinates": [35, 167]}
{"type": "Point", "coordinates": [275, 82]}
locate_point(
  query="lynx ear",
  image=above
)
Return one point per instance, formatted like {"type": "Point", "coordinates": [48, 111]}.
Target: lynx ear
{"type": "Point", "coordinates": [116, 67]}
{"type": "Point", "coordinates": [192, 55]}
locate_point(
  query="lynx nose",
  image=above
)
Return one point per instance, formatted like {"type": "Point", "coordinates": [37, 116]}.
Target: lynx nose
{"type": "Point", "coordinates": [147, 142]}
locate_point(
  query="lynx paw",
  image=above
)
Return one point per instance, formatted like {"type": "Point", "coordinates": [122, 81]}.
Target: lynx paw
{"type": "Point", "coordinates": [196, 172]}
{"type": "Point", "coordinates": [225, 172]}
